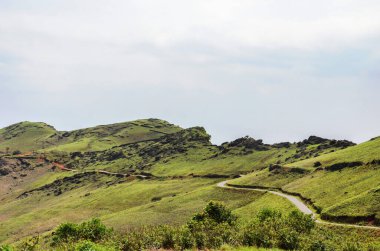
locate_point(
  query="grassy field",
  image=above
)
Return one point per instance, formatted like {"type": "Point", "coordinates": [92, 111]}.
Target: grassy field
{"type": "Point", "coordinates": [35, 197]}
{"type": "Point", "coordinates": [129, 204]}
{"type": "Point", "coordinates": [352, 191]}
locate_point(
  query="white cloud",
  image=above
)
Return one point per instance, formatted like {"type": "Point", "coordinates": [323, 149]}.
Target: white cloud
{"type": "Point", "coordinates": [270, 48]}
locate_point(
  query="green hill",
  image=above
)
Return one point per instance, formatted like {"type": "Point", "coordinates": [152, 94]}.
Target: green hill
{"type": "Point", "coordinates": [150, 172]}
{"type": "Point", "coordinates": [27, 136]}
{"type": "Point", "coordinates": [343, 185]}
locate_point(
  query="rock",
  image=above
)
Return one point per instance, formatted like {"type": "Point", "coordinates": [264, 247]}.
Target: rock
{"type": "Point", "coordinates": [249, 143]}
{"type": "Point", "coordinates": [317, 164]}
{"type": "Point", "coordinates": [282, 145]}
{"type": "Point", "coordinates": [340, 166]}
{"type": "Point", "coordinates": [5, 171]}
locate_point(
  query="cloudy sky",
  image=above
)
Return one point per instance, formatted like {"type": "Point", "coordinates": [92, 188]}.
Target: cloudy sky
{"type": "Point", "coordinates": [279, 70]}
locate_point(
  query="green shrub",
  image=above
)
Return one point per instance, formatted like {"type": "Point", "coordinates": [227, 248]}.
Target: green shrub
{"type": "Point", "coordinates": [300, 222]}
{"type": "Point", "coordinates": [215, 226]}
{"type": "Point", "coordinates": [6, 248]}
{"type": "Point", "coordinates": [90, 246]}
{"type": "Point", "coordinates": [185, 239]}
{"type": "Point", "coordinates": [350, 246]}
{"type": "Point", "coordinates": [318, 246]}
{"type": "Point", "coordinates": [92, 230]}
{"type": "Point", "coordinates": [66, 232]}
{"type": "Point", "coordinates": [270, 228]}
{"type": "Point", "coordinates": [31, 244]}
{"type": "Point", "coordinates": [260, 234]}
{"type": "Point", "coordinates": [217, 212]}
{"type": "Point", "coordinates": [288, 239]}
{"type": "Point", "coordinates": [166, 237]}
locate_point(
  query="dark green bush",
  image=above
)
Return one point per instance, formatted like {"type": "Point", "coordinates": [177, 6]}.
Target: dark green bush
{"type": "Point", "coordinates": [90, 246]}
{"type": "Point", "coordinates": [66, 232]}
{"type": "Point", "coordinates": [212, 228]}
{"type": "Point", "coordinates": [6, 248]}
{"type": "Point", "coordinates": [288, 239]}
{"type": "Point", "coordinates": [300, 222]}
{"type": "Point", "coordinates": [185, 239]}
{"type": "Point", "coordinates": [217, 212]}
{"type": "Point", "coordinates": [270, 228]}
{"type": "Point", "coordinates": [92, 230]}
{"type": "Point", "coordinates": [351, 246]}
{"type": "Point", "coordinates": [318, 246]}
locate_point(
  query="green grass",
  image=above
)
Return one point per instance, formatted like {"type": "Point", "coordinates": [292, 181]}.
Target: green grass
{"type": "Point", "coordinates": [125, 204]}
{"type": "Point", "coordinates": [349, 192]}
{"type": "Point", "coordinates": [25, 136]}
{"type": "Point", "coordinates": [364, 152]}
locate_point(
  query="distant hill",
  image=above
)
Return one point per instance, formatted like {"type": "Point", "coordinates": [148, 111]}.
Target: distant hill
{"type": "Point", "coordinates": [28, 136]}
{"type": "Point", "coordinates": [25, 136]}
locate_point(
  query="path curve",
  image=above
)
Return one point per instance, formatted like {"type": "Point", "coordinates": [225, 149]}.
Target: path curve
{"type": "Point", "coordinates": [296, 202]}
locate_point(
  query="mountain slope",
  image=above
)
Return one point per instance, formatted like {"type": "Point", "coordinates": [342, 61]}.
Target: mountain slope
{"type": "Point", "coordinates": [27, 136]}
{"type": "Point", "coordinates": [344, 185]}
{"type": "Point", "coordinates": [152, 172]}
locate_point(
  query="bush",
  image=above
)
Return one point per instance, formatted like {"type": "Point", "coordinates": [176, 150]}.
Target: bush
{"type": "Point", "coordinates": [185, 239]}
{"type": "Point", "coordinates": [215, 226]}
{"type": "Point", "coordinates": [31, 244]}
{"type": "Point", "coordinates": [90, 246]}
{"type": "Point", "coordinates": [92, 230]}
{"type": "Point", "coordinates": [300, 222]}
{"type": "Point", "coordinates": [6, 248]}
{"type": "Point", "coordinates": [216, 212]}
{"type": "Point", "coordinates": [318, 246]}
{"type": "Point", "coordinates": [270, 228]}
{"type": "Point", "coordinates": [351, 247]}
{"type": "Point", "coordinates": [66, 232]}
{"type": "Point", "coordinates": [288, 239]}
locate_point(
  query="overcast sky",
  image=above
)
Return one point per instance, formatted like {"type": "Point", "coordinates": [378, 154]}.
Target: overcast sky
{"type": "Point", "coordinates": [279, 70]}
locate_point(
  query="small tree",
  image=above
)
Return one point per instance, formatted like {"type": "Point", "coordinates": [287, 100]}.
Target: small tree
{"type": "Point", "coordinates": [217, 212]}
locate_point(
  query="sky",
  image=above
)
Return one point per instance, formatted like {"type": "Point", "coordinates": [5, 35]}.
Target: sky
{"type": "Point", "coordinates": [277, 70]}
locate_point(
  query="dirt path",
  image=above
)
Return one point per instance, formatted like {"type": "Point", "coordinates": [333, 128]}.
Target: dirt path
{"type": "Point", "coordinates": [298, 203]}
{"type": "Point", "coordinates": [63, 168]}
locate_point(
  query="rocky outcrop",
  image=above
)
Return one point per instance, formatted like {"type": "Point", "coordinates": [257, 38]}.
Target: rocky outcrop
{"type": "Point", "coordinates": [342, 165]}
{"type": "Point", "coordinates": [249, 143]}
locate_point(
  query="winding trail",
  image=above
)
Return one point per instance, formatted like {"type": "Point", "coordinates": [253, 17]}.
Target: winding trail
{"type": "Point", "coordinates": [296, 202]}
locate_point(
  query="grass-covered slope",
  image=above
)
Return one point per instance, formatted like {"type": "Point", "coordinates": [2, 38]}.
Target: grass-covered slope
{"type": "Point", "coordinates": [365, 152]}
{"type": "Point", "coordinates": [181, 167]}
{"type": "Point", "coordinates": [27, 136]}
{"type": "Point", "coordinates": [344, 185]}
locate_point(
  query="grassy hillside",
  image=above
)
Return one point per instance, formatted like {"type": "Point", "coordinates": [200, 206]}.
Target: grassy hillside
{"type": "Point", "coordinates": [344, 184]}
{"type": "Point", "coordinates": [27, 136]}
{"type": "Point", "coordinates": [180, 169]}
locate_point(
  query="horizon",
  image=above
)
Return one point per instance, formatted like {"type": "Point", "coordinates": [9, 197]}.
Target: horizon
{"type": "Point", "coordinates": [257, 138]}
{"type": "Point", "coordinates": [280, 71]}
